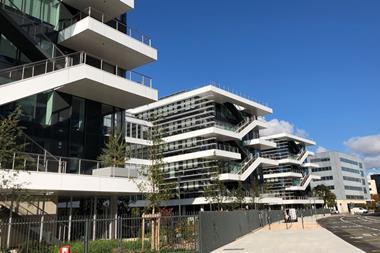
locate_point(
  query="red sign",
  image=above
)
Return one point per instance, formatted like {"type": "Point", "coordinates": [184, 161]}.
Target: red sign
{"type": "Point", "coordinates": [65, 249]}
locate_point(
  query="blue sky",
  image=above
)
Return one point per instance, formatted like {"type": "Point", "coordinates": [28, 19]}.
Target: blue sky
{"type": "Point", "coordinates": [316, 63]}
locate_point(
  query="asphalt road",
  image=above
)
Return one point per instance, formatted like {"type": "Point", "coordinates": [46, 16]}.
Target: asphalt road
{"type": "Point", "coordinates": [361, 231]}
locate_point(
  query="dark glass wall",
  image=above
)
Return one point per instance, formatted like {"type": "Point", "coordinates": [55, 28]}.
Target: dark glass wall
{"type": "Point", "coordinates": [67, 125]}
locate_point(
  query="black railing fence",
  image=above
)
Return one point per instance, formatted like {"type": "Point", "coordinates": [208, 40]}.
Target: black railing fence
{"type": "Point", "coordinates": [196, 232]}
{"type": "Point", "coordinates": [97, 234]}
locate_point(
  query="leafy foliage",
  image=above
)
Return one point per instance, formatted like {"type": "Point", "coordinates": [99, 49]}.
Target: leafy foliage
{"type": "Point", "coordinates": [155, 188]}
{"type": "Point", "coordinates": [325, 193]}
{"type": "Point", "coordinates": [114, 154]}
{"type": "Point", "coordinates": [10, 131]}
{"type": "Point", "coordinates": [216, 192]}
{"type": "Point", "coordinates": [238, 195]}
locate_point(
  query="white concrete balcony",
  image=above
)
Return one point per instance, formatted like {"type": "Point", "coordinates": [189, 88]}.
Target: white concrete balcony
{"type": "Point", "coordinates": [298, 159]}
{"type": "Point", "coordinates": [113, 41]}
{"type": "Point", "coordinates": [283, 175]}
{"type": "Point", "coordinates": [65, 183]}
{"type": "Point", "coordinates": [242, 171]}
{"type": "Point", "coordinates": [79, 74]}
{"type": "Point", "coordinates": [261, 144]}
{"type": "Point", "coordinates": [303, 184]}
{"type": "Point", "coordinates": [110, 8]}
{"type": "Point", "coordinates": [221, 131]}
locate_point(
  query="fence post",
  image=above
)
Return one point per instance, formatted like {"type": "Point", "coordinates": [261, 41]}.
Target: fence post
{"type": "Point", "coordinates": [42, 227]}
{"type": "Point", "coordinates": [70, 217]}
{"type": "Point", "coordinates": [142, 234]}
{"type": "Point", "coordinates": [27, 240]}
{"type": "Point", "coordinates": [86, 235]}
{"type": "Point", "coordinates": [94, 219]}
{"type": "Point", "coordinates": [9, 225]}
{"type": "Point", "coordinates": [38, 162]}
{"type": "Point", "coordinates": [13, 162]}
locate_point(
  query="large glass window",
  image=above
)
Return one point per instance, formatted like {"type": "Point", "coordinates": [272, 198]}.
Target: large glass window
{"type": "Point", "coordinates": [66, 125]}
{"type": "Point", "coordinates": [45, 10]}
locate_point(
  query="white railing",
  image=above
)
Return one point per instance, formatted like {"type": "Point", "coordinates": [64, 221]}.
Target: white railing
{"type": "Point", "coordinates": [114, 23]}
{"type": "Point", "coordinates": [50, 65]}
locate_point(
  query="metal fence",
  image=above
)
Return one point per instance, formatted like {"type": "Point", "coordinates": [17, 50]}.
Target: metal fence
{"type": "Point", "coordinates": [201, 232]}
{"type": "Point", "coordinates": [98, 235]}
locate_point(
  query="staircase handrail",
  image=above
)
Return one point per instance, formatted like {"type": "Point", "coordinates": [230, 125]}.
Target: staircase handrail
{"type": "Point", "coordinates": [22, 15]}
{"type": "Point", "coordinates": [244, 123]}
{"type": "Point", "coordinates": [247, 162]}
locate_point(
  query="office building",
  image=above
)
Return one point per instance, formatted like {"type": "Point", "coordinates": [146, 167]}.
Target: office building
{"type": "Point", "coordinates": [346, 177]}
{"type": "Point", "coordinates": [70, 66]}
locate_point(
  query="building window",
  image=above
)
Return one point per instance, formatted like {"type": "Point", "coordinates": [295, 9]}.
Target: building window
{"type": "Point", "coordinates": [321, 169]}
{"type": "Point", "coordinates": [345, 160]}
{"type": "Point", "coordinates": [353, 188]}
{"type": "Point", "coordinates": [350, 170]}
{"type": "Point", "coordinates": [352, 179]}
{"type": "Point", "coordinates": [326, 178]}
{"type": "Point", "coordinates": [317, 160]}
{"type": "Point", "coordinates": [354, 197]}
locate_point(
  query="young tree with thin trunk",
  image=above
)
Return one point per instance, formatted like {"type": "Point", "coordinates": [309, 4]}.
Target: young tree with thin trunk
{"type": "Point", "coordinates": [155, 188]}
{"type": "Point", "coordinates": [115, 152]}
{"type": "Point", "coordinates": [216, 191]}
{"type": "Point", "coordinates": [238, 196]}
{"type": "Point", "coordinates": [255, 191]}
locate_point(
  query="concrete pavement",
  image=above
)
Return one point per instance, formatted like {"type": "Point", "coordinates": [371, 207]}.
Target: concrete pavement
{"type": "Point", "coordinates": [295, 238]}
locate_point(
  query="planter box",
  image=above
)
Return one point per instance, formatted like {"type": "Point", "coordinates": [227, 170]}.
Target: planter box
{"type": "Point", "coordinates": [116, 172]}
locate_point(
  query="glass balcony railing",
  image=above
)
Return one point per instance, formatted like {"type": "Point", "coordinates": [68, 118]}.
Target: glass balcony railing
{"type": "Point", "coordinates": [225, 126]}
{"type": "Point", "coordinates": [114, 23]}
{"type": "Point", "coordinates": [50, 65]}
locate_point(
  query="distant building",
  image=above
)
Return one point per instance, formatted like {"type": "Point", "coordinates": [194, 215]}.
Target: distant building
{"type": "Point", "coordinates": [372, 186]}
{"type": "Point", "coordinates": [344, 175]}
{"type": "Point", "coordinates": [376, 179]}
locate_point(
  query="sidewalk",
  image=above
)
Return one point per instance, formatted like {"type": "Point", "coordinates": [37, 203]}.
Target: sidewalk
{"type": "Point", "coordinates": [312, 238]}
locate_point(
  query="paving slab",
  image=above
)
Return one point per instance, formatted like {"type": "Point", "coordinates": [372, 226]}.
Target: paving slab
{"type": "Point", "coordinates": [290, 238]}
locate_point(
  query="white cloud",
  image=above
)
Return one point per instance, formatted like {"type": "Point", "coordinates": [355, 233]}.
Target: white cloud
{"type": "Point", "coordinates": [372, 161]}
{"type": "Point", "coordinates": [368, 147]}
{"type": "Point", "coordinates": [276, 126]}
{"type": "Point", "coordinates": [320, 149]}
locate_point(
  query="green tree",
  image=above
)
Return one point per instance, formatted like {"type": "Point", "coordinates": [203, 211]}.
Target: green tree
{"type": "Point", "coordinates": [10, 133]}
{"type": "Point", "coordinates": [255, 191]}
{"type": "Point", "coordinates": [322, 191]}
{"type": "Point", "coordinates": [238, 195]}
{"type": "Point", "coordinates": [12, 159]}
{"type": "Point", "coordinates": [115, 152]}
{"type": "Point", "coordinates": [156, 188]}
{"type": "Point", "coordinates": [216, 192]}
